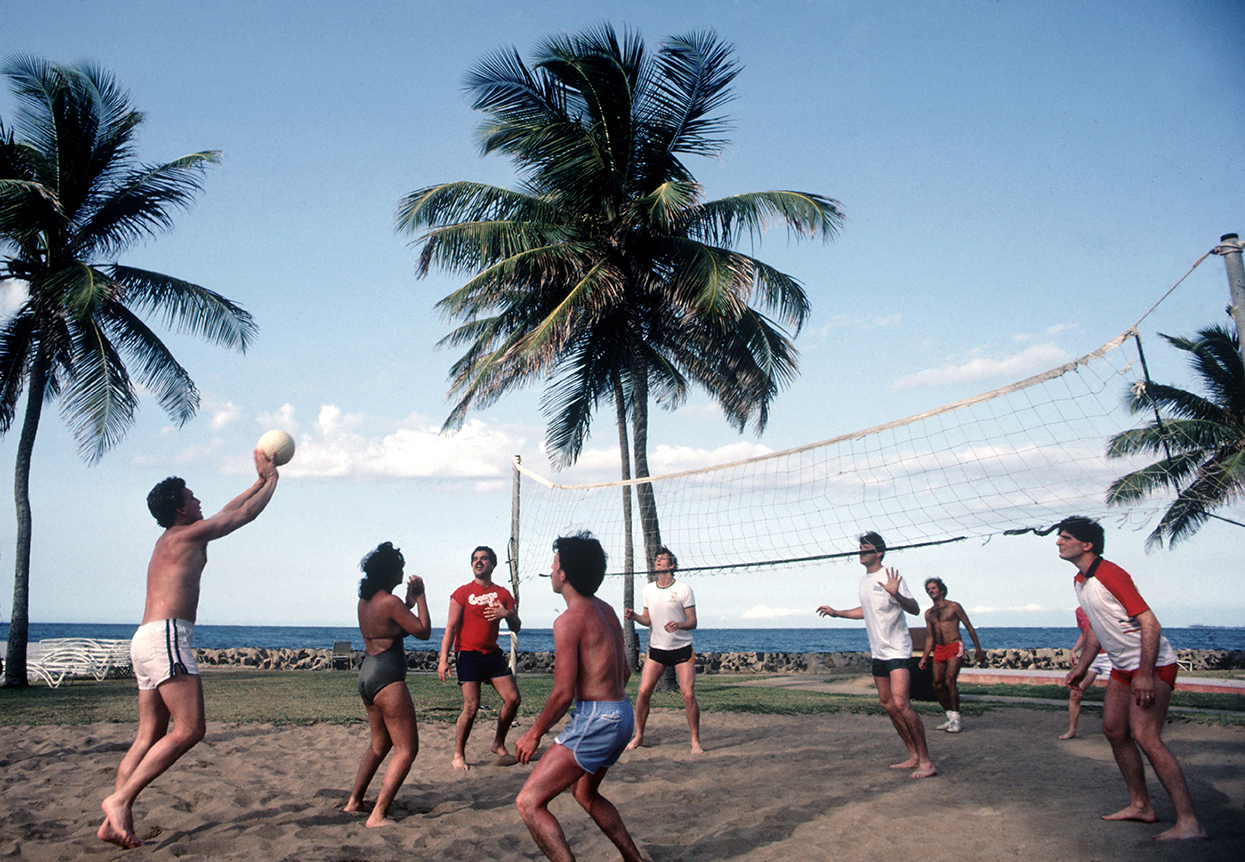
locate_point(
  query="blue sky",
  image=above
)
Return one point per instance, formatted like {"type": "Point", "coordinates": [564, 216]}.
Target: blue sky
{"type": "Point", "coordinates": [1022, 182]}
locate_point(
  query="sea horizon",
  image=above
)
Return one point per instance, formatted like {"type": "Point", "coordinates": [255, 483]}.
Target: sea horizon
{"type": "Point", "coordinates": [827, 639]}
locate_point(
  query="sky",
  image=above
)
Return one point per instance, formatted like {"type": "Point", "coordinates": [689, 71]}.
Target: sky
{"type": "Point", "coordinates": [1022, 182]}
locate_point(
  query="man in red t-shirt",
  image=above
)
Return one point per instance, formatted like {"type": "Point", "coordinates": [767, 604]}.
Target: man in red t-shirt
{"type": "Point", "coordinates": [476, 611]}
{"type": "Point", "coordinates": [1143, 674]}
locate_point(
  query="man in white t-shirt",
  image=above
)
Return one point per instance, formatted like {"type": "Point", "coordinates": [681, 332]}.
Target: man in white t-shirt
{"type": "Point", "coordinates": [883, 602]}
{"type": "Point", "coordinates": [1143, 675]}
{"type": "Point", "coordinates": [670, 614]}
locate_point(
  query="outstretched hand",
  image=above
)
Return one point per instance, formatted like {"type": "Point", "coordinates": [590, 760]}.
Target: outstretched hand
{"type": "Point", "coordinates": [891, 582]}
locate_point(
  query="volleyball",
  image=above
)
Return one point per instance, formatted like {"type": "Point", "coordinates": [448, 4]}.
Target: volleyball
{"type": "Point", "coordinates": [278, 445]}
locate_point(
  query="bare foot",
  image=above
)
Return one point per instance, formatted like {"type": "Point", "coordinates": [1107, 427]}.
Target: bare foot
{"type": "Point", "coordinates": [1142, 814]}
{"type": "Point", "coordinates": [911, 763]}
{"type": "Point", "coordinates": [379, 820]}
{"type": "Point", "coordinates": [925, 771]}
{"type": "Point", "coordinates": [1182, 831]}
{"type": "Point", "coordinates": [638, 742]}
{"type": "Point", "coordinates": [353, 805]}
{"type": "Point", "coordinates": [506, 760]}
{"type": "Point", "coordinates": [460, 763]}
{"type": "Point", "coordinates": [118, 825]}
{"type": "Point", "coordinates": [1071, 734]}
{"type": "Point", "coordinates": [499, 748]}
{"type": "Point", "coordinates": [696, 749]}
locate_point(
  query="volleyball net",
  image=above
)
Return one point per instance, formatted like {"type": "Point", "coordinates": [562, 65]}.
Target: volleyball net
{"type": "Point", "coordinates": [1020, 457]}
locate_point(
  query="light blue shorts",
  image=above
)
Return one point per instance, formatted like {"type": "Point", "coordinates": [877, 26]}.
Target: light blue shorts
{"type": "Point", "coordinates": [598, 732]}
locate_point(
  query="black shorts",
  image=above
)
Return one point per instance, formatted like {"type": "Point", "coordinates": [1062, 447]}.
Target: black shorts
{"type": "Point", "coordinates": [883, 667]}
{"type": "Point", "coordinates": [481, 666]}
{"type": "Point", "coordinates": [671, 657]}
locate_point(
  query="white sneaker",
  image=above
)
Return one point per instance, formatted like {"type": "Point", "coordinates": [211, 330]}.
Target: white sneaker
{"type": "Point", "coordinates": [945, 724]}
{"type": "Point", "coordinates": [953, 725]}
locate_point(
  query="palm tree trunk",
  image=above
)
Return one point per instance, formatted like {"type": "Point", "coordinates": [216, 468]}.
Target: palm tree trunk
{"type": "Point", "coordinates": [15, 658]}
{"type": "Point", "coordinates": [630, 642]}
{"type": "Point", "coordinates": [639, 434]}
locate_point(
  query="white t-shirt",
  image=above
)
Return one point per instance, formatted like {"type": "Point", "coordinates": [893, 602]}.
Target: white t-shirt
{"type": "Point", "coordinates": [664, 605]}
{"type": "Point", "coordinates": [884, 618]}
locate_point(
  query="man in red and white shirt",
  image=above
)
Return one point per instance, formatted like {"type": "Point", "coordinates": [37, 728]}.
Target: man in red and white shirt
{"type": "Point", "coordinates": [1143, 674]}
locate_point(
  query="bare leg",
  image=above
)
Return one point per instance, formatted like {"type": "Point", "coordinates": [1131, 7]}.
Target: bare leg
{"type": "Point", "coordinates": [462, 728]}
{"type": "Point", "coordinates": [603, 812]}
{"type": "Point", "coordinates": [950, 675]}
{"type": "Point", "coordinates": [1074, 703]}
{"type": "Point", "coordinates": [649, 677]}
{"type": "Point", "coordinates": [940, 685]}
{"type": "Point", "coordinates": [1115, 726]}
{"type": "Point", "coordinates": [883, 684]}
{"type": "Point", "coordinates": [907, 721]}
{"type": "Point", "coordinates": [554, 773]}
{"type": "Point", "coordinates": [1147, 728]}
{"type": "Point", "coordinates": [398, 713]}
{"type": "Point", "coordinates": [373, 755]}
{"type": "Point", "coordinates": [686, 673]}
{"type": "Point", "coordinates": [154, 750]}
{"type": "Point", "coordinates": [508, 691]}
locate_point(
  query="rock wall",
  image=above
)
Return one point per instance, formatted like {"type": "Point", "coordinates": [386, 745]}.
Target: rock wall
{"type": "Point", "coordinates": [708, 663]}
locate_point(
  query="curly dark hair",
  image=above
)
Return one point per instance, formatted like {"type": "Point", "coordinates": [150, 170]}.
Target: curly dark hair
{"type": "Point", "coordinates": [382, 570]}
{"type": "Point", "coordinates": [165, 499]}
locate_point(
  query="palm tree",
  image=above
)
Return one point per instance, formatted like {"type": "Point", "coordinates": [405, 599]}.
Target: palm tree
{"type": "Point", "coordinates": [1201, 439]}
{"type": "Point", "coordinates": [72, 193]}
{"type": "Point", "coordinates": [607, 274]}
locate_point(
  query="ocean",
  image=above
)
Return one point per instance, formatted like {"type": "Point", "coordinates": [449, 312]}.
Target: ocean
{"type": "Point", "coordinates": [827, 639]}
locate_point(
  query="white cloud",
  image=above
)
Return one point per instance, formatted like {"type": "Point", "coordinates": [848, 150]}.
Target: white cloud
{"type": "Point", "coordinates": [762, 612]}
{"type": "Point", "coordinates": [224, 414]}
{"type": "Point", "coordinates": [1024, 609]}
{"type": "Point", "coordinates": [283, 419]}
{"type": "Point", "coordinates": [12, 295]}
{"type": "Point", "coordinates": [1031, 360]}
{"type": "Point", "coordinates": [355, 444]}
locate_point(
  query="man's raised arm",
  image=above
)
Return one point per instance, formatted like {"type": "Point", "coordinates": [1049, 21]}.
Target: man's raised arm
{"type": "Point", "coordinates": [244, 508]}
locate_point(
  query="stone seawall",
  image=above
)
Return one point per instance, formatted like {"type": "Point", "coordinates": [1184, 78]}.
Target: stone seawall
{"type": "Point", "coordinates": [709, 663]}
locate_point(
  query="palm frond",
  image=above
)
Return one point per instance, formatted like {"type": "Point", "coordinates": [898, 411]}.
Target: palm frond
{"type": "Point", "coordinates": [187, 307]}
{"type": "Point", "coordinates": [98, 403]}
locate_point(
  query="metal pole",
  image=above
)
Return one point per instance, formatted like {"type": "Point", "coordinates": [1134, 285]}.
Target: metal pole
{"type": "Point", "coordinates": [514, 559]}
{"type": "Point", "coordinates": [1230, 247]}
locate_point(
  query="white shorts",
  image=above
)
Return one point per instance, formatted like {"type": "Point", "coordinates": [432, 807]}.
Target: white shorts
{"type": "Point", "coordinates": [161, 650]}
{"type": "Point", "coordinates": [1101, 664]}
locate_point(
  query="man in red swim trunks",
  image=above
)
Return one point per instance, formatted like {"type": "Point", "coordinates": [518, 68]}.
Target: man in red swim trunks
{"type": "Point", "coordinates": [1143, 674]}
{"type": "Point", "coordinates": [942, 635]}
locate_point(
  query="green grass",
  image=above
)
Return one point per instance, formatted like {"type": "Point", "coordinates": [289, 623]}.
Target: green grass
{"type": "Point", "coordinates": [1190, 699]}
{"type": "Point", "coordinates": [307, 697]}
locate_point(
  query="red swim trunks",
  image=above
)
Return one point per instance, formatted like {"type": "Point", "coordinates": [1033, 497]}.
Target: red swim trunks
{"type": "Point", "coordinates": [943, 652]}
{"type": "Point", "coordinates": [1167, 673]}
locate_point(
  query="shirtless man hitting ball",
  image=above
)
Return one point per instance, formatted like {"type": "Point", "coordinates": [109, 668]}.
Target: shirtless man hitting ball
{"type": "Point", "coordinates": [169, 687]}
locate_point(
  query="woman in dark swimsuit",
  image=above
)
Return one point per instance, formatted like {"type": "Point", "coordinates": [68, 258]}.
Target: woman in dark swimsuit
{"type": "Point", "coordinates": [384, 620]}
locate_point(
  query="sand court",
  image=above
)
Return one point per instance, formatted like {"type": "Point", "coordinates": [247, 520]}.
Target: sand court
{"type": "Point", "coordinates": [771, 787]}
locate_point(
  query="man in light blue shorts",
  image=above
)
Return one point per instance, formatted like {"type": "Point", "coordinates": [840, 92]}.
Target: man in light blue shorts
{"type": "Point", "coordinates": [591, 668]}
{"type": "Point", "coordinates": [169, 689]}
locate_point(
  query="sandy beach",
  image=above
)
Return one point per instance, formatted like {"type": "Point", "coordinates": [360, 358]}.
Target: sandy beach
{"type": "Point", "coordinates": [769, 788]}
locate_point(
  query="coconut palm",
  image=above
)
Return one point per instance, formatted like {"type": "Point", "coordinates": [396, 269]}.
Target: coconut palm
{"type": "Point", "coordinates": [607, 274]}
{"type": "Point", "coordinates": [1201, 439]}
{"type": "Point", "coordinates": [73, 195]}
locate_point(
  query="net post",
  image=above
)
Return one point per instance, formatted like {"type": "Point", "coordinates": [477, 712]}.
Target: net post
{"type": "Point", "coordinates": [512, 553]}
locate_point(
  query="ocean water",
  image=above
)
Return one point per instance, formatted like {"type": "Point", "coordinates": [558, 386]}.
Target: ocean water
{"type": "Point", "coordinates": [828, 639]}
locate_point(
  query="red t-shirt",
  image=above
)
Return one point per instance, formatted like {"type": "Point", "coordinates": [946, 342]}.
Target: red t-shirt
{"type": "Point", "coordinates": [478, 634]}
